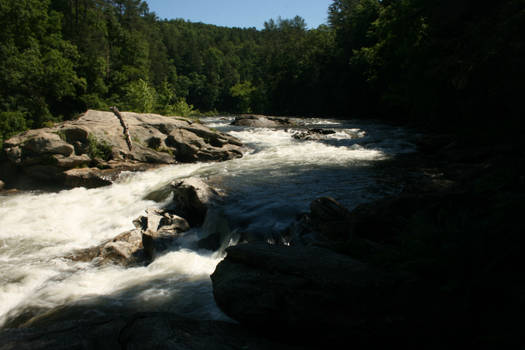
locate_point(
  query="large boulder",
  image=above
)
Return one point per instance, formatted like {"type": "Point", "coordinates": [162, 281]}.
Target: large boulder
{"type": "Point", "coordinates": [261, 121]}
{"type": "Point", "coordinates": [191, 199]}
{"type": "Point", "coordinates": [301, 290]}
{"type": "Point", "coordinates": [72, 153]}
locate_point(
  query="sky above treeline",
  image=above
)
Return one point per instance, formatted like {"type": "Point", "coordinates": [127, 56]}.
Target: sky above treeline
{"type": "Point", "coordinates": [241, 13]}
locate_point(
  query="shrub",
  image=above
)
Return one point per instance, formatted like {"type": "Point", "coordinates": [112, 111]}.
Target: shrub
{"type": "Point", "coordinates": [11, 123]}
{"type": "Point", "coordinates": [99, 148]}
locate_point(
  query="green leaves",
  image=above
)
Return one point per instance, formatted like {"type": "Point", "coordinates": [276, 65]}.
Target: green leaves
{"type": "Point", "coordinates": [11, 123]}
{"type": "Point", "coordinates": [242, 93]}
{"type": "Point", "coordinates": [140, 97]}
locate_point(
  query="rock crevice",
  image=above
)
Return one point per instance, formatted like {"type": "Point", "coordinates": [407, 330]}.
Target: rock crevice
{"type": "Point", "coordinates": [91, 150]}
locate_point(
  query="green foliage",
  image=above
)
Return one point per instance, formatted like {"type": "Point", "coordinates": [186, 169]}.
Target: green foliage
{"type": "Point", "coordinates": [425, 60]}
{"type": "Point", "coordinates": [242, 93]}
{"type": "Point", "coordinates": [99, 149]}
{"type": "Point", "coordinates": [37, 67]}
{"type": "Point", "coordinates": [11, 123]}
{"type": "Point", "coordinates": [140, 97]}
{"type": "Point", "coordinates": [182, 108]}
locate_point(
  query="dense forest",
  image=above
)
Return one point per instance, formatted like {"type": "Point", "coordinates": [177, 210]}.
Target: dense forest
{"type": "Point", "coordinates": [453, 63]}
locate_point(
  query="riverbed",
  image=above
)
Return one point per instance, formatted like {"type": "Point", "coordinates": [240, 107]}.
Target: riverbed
{"type": "Point", "coordinates": [264, 192]}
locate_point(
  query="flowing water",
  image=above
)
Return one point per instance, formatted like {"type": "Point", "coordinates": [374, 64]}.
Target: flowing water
{"type": "Point", "coordinates": [265, 190]}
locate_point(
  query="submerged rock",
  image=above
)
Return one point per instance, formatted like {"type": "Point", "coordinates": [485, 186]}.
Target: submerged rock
{"type": "Point", "coordinates": [73, 153]}
{"type": "Point", "coordinates": [260, 121]}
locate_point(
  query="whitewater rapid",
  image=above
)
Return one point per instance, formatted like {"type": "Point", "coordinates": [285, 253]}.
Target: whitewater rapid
{"type": "Point", "coordinates": [276, 180]}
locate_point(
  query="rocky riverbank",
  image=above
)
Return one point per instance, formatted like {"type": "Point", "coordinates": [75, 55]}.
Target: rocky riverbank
{"type": "Point", "coordinates": [92, 150]}
{"type": "Point", "coordinates": [433, 266]}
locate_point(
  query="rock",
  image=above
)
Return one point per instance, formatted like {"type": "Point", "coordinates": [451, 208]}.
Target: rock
{"type": "Point", "coordinates": [313, 134]}
{"type": "Point", "coordinates": [327, 209]}
{"type": "Point", "coordinates": [95, 140]}
{"type": "Point", "coordinates": [159, 230]}
{"type": "Point", "coordinates": [300, 290]}
{"type": "Point", "coordinates": [97, 327]}
{"type": "Point", "coordinates": [259, 121]}
{"type": "Point", "coordinates": [328, 220]}
{"type": "Point", "coordinates": [2, 185]}
{"type": "Point", "coordinates": [124, 249]}
{"type": "Point", "coordinates": [217, 232]}
{"type": "Point", "coordinates": [155, 232]}
{"type": "Point", "coordinates": [72, 161]}
{"type": "Point", "coordinates": [42, 141]}
{"type": "Point", "coordinates": [192, 198]}
{"type": "Point", "coordinates": [88, 177]}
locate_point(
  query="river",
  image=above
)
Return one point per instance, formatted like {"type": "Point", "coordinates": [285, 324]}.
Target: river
{"type": "Point", "coordinates": [264, 191]}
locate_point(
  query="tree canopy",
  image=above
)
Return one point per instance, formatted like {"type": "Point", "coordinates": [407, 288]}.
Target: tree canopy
{"type": "Point", "coordinates": [430, 62]}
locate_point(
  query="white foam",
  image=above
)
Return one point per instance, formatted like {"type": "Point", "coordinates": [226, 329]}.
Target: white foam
{"type": "Point", "coordinates": [38, 230]}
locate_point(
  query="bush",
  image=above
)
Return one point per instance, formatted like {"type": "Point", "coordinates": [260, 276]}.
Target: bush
{"type": "Point", "coordinates": [99, 148]}
{"type": "Point", "coordinates": [182, 108]}
{"type": "Point", "coordinates": [11, 123]}
{"type": "Point", "coordinates": [140, 97]}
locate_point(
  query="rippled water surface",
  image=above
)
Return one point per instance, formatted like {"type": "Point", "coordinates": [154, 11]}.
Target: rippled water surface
{"type": "Point", "coordinates": [276, 180]}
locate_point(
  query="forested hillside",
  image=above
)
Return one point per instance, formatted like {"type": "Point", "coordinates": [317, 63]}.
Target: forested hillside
{"type": "Point", "coordinates": [426, 61]}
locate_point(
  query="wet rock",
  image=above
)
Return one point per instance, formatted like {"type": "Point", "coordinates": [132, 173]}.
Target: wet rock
{"type": "Point", "coordinates": [313, 134]}
{"type": "Point", "coordinates": [124, 249]}
{"type": "Point", "coordinates": [95, 139]}
{"type": "Point", "coordinates": [192, 198]}
{"type": "Point", "coordinates": [159, 194]}
{"type": "Point", "coordinates": [259, 121]}
{"type": "Point", "coordinates": [217, 232]}
{"type": "Point", "coordinates": [155, 232]}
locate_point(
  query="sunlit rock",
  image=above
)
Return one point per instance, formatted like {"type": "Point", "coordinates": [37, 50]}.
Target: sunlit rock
{"type": "Point", "coordinates": [95, 141]}
{"type": "Point", "coordinates": [155, 232]}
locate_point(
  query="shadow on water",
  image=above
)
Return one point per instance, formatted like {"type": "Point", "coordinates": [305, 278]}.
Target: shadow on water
{"type": "Point", "coordinates": [186, 295]}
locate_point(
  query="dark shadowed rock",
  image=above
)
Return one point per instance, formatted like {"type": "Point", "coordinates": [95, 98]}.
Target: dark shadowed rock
{"type": "Point", "coordinates": [192, 198]}
{"type": "Point", "coordinates": [260, 121]}
{"type": "Point", "coordinates": [102, 328]}
{"type": "Point", "coordinates": [72, 153]}
{"type": "Point", "coordinates": [327, 220]}
{"type": "Point", "coordinates": [304, 289]}
{"type": "Point", "coordinates": [217, 232]}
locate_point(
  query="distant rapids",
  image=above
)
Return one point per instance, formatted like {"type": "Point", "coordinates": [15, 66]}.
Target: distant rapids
{"type": "Point", "coordinates": [265, 190]}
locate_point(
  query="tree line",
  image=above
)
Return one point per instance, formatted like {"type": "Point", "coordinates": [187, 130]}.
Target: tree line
{"type": "Point", "coordinates": [451, 62]}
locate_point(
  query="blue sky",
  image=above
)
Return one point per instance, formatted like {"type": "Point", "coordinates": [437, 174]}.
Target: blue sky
{"type": "Point", "coordinates": [241, 13]}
